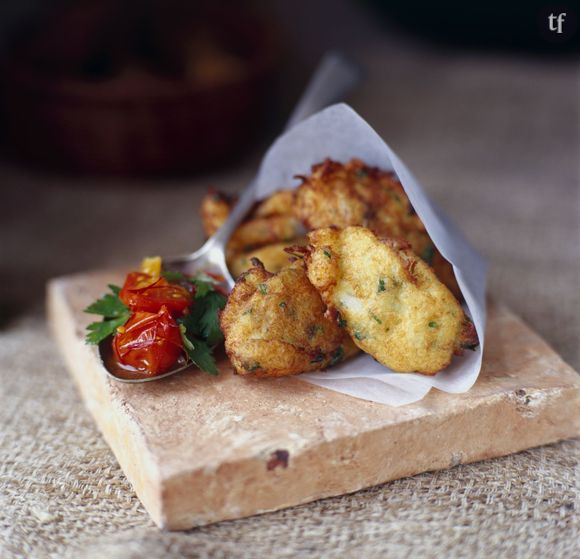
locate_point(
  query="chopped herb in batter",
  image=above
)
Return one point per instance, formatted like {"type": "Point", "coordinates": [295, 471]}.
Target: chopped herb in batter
{"type": "Point", "coordinates": [428, 254]}
{"type": "Point", "coordinates": [337, 356]}
{"type": "Point", "coordinates": [318, 358]}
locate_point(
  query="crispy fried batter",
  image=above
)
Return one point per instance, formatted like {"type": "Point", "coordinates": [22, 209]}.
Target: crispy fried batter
{"type": "Point", "coordinates": [355, 194]}
{"type": "Point", "coordinates": [262, 231]}
{"type": "Point", "coordinates": [278, 203]}
{"type": "Point", "coordinates": [215, 208]}
{"type": "Point", "coordinates": [337, 194]}
{"type": "Point", "coordinates": [274, 325]}
{"type": "Point", "coordinates": [274, 257]}
{"type": "Point", "coordinates": [388, 299]}
{"type": "Point", "coordinates": [270, 223]}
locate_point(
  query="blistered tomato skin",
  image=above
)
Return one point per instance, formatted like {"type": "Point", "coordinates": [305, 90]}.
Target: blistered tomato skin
{"type": "Point", "coordinates": [145, 293]}
{"type": "Point", "coordinates": [149, 342]}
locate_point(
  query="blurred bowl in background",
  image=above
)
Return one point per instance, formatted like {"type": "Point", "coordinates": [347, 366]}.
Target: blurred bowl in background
{"type": "Point", "coordinates": [166, 98]}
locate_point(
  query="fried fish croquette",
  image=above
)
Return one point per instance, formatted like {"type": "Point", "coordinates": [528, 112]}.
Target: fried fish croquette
{"type": "Point", "coordinates": [278, 203]}
{"type": "Point", "coordinates": [261, 231]}
{"type": "Point", "coordinates": [214, 210]}
{"type": "Point", "coordinates": [275, 325]}
{"type": "Point", "coordinates": [273, 257]}
{"type": "Point", "coordinates": [269, 229]}
{"type": "Point", "coordinates": [388, 299]}
{"type": "Point", "coordinates": [356, 194]}
{"type": "Point", "coordinates": [337, 194]}
{"type": "Point", "coordinates": [216, 207]}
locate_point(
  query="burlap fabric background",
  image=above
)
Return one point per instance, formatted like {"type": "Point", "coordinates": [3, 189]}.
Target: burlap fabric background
{"type": "Point", "coordinates": [495, 141]}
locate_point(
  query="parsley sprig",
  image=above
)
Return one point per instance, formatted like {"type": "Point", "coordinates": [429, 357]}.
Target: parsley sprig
{"type": "Point", "coordinates": [200, 329]}
{"type": "Point", "coordinates": [114, 312]}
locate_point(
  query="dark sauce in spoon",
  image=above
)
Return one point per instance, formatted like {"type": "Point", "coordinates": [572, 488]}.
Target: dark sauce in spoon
{"type": "Point", "coordinates": [127, 372]}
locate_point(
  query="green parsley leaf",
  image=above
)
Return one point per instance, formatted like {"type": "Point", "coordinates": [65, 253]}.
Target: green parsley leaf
{"type": "Point", "coordinates": [114, 288]}
{"type": "Point", "coordinates": [200, 329]}
{"type": "Point", "coordinates": [114, 312]}
{"type": "Point", "coordinates": [210, 324]}
{"type": "Point", "coordinates": [432, 324]}
{"type": "Point", "coordinates": [174, 277]}
{"type": "Point", "coordinates": [202, 288]}
{"type": "Point", "coordinates": [98, 331]}
{"type": "Point", "coordinates": [327, 253]}
{"type": "Point", "coordinates": [198, 351]}
{"type": "Point", "coordinates": [381, 286]}
{"type": "Point", "coordinates": [204, 283]}
{"type": "Point", "coordinates": [203, 320]}
{"type": "Point", "coordinates": [263, 288]}
{"type": "Point", "coordinates": [202, 276]}
{"type": "Point", "coordinates": [109, 305]}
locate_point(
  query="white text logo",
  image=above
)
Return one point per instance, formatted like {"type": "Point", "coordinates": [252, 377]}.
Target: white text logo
{"type": "Point", "coordinates": [559, 20]}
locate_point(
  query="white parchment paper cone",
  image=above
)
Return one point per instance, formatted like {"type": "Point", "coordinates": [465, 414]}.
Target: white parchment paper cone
{"type": "Point", "coordinates": [340, 133]}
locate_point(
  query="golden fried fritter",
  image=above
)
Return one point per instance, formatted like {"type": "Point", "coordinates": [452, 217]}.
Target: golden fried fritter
{"type": "Point", "coordinates": [270, 223]}
{"type": "Point", "coordinates": [261, 231]}
{"type": "Point", "coordinates": [278, 203]}
{"type": "Point", "coordinates": [274, 257]}
{"type": "Point", "coordinates": [215, 208]}
{"type": "Point", "coordinates": [274, 325]}
{"type": "Point", "coordinates": [355, 194]}
{"type": "Point", "coordinates": [340, 195]}
{"type": "Point", "coordinates": [388, 299]}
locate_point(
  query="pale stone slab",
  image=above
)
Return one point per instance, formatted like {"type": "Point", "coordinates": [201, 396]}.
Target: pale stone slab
{"type": "Point", "coordinates": [200, 449]}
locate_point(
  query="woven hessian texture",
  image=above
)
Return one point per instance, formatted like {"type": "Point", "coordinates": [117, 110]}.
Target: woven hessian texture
{"type": "Point", "coordinates": [63, 494]}
{"type": "Point", "coordinates": [495, 141]}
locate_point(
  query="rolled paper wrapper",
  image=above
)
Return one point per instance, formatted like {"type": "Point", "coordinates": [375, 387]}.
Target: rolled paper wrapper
{"type": "Point", "coordinates": [339, 133]}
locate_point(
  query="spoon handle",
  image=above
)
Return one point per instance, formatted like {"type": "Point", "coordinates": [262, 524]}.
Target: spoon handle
{"type": "Point", "coordinates": [244, 203]}
{"type": "Point", "coordinates": [332, 80]}
{"type": "Point", "coordinates": [334, 77]}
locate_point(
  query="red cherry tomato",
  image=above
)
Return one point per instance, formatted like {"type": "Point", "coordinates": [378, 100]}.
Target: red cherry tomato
{"type": "Point", "coordinates": [149, 341]}
{"type": "Point", "coordinates": [142, 292]}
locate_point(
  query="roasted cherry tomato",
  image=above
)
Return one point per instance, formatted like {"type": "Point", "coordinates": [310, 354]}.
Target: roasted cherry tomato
{"type": "Point", "coordinates": [149, 341]}
{"type": "Point", "coordinates": [143, 292]}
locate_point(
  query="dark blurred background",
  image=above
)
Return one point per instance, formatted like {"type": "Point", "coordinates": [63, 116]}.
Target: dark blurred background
{"type": "Point", "coordinates": [116, 116]}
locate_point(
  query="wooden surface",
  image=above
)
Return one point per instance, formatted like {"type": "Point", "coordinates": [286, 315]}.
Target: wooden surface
{"type": "Point", "coordinates": [199, 449]}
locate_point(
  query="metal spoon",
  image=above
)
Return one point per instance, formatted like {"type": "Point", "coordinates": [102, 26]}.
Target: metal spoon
{"type": "Point", "coordinates": [334, 77]}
